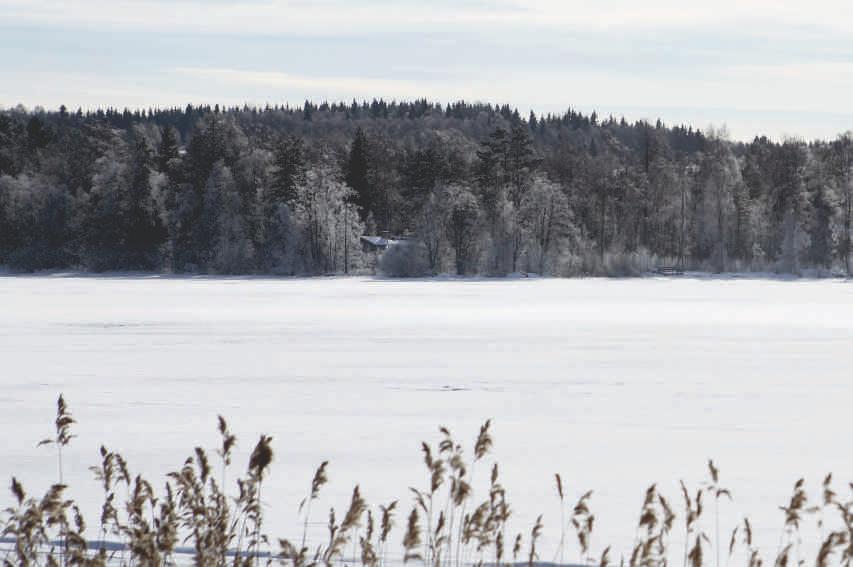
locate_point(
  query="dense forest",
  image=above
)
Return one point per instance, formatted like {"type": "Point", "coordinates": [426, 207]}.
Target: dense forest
{"type": "Point", "coordinates": [464, 188]}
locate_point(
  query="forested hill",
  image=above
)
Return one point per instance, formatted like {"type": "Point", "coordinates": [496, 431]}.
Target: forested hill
{"type": "Point", "coordinates": [477, 189]}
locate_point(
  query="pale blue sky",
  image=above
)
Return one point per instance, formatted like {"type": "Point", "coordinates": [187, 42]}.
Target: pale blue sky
{"type": "Point", "coordinates": [776, 67]}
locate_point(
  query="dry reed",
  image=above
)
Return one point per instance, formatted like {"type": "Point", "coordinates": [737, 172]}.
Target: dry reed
{"type": "Point", "coordinates": [440, 531]}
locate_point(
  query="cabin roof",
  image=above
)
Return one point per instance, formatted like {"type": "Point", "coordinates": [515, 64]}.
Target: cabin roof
{"type": "Point", "coordinates": [376, 240]}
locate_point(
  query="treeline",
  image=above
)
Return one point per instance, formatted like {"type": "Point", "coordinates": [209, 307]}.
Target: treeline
{"type": "Point", "coordinates": [476, 188]}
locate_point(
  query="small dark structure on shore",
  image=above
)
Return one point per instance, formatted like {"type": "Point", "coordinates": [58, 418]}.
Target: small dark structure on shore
{"type": "Point", "coordinates": [378, 244]}
{"type": "Point", "coordinates": [669, 271]}
{"type": "Point", "coordinates": [374, 243]}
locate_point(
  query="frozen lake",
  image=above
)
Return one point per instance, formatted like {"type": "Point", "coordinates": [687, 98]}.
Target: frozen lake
{"type": "Point", "coordinates": [613, 383]}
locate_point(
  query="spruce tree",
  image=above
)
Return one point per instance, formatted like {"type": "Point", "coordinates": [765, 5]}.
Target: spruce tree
{"type": "Point", "coordinates": [168, 149]}
{"type": "Point", "coordinates": [143, 231]}
{"type": "Point", "coordinates": [358, 173]}
{"type": "Point", "coordinates": [289, 172]}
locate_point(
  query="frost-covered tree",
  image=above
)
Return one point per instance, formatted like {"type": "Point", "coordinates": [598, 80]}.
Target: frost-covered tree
{"type": "Point", "coordinates": [841, 159]}
{"type": "Point", "coordinates": [358, 173]}
{"type": "Point", "coordinates": [89, 189]}
{"type": "Point", "coordinates": [143, 231]}
{"type": "Point", "coordinates": [431, 227]}
{"type": "Point", "coordinates": [789, 204]}
{"type": "Point", "coordinates": [229, 249]}
{"type": "Point", "coordinates": [606, 182]}
{"type": "Point", "coordinates": [329, 223]}
{"type": "Point", "coordinates": [824, 213]}
{"type": "Point", "coordinates": [122, 226]}
{"type": "Point", "coordinates": [288, 173]}
{"type": "Point", "coordinates": [167, 151]}
{"type": "Point", "coordinates": [505, 165]}
{"type": "Point", "coordinates": [719, 177]}
{"type": "Point", "coordinates": [34, 222]}
{"type": "Point", "coordinates": [547, 224]}
{"type": "Point", "coordinates": [463, 226]}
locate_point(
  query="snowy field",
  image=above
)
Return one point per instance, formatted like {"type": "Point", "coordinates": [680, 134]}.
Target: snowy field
{"type": "Point", "coordinates": [613, 383]}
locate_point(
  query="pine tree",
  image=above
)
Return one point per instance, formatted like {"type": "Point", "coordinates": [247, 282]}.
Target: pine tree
{"type": "Point", "coordinates": [167, 151]}
{"type": "Point", "coordinates": [491, 169]}
{"type": "Point", "coordinates": [462, 225]}
{"type": "Point", "coordinates": [521, 161]}
{"type": "Point", "coordinates": [289, 172]}
{"type": "Point", "coordinates": [143, 230]}
{"type": "Point", "coordinates": [38, 134]}
{"type": "Point", "coordinates": [228, 250]}
{"type": "Point", "coordinates": [358, 173]}
{"type": "Point", "coordinates": [123, 228]}
{"type": "Point", "coordinates": [842, 161]}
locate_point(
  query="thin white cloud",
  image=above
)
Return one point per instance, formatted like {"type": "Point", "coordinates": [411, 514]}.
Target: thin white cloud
{"type": "Point", "coordinates": [814, 86]}
{"type": "Point", "coordinates": [270, 17]}
{"type": "Point", "coordinates": [668, 14]}
{"type": "Point", "coordinates": [321, 86]}
{"type": "Point", "coordinates": [714, 101]}
{"type": "Point", "coordinates": [367, 16]}
{"type": "Point", "coordinates": [741, 55]}
{"type": "Point", "coordinates": [91, 90]}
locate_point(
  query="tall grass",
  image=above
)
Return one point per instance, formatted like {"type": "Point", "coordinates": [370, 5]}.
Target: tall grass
{"type": "Point", "coordinates": [452, 521]}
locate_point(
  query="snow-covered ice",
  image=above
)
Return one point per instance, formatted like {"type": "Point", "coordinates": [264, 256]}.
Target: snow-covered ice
{"type": "Point", "coordinates": [613, 383]}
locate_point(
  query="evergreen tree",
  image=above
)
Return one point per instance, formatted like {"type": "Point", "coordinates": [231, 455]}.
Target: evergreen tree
{"type": "Point", "coordinates": [547, 223]}
{"type": "Point", "coordinates": [289, 172]}
{"type": "Point", "coordinates": [167, 151]}
{"type": "Point", "coordinates": [842, 165]}
{"type": "Point", "coordinates": [228, 247]}
{"type": "Point", "coordinates": [38, 134]}
{"type": "Point", "coordinates": [35, 232]}
{"type": "Point", "coordinates": [521, 161]}
{"type": "Point", "coordinates": [123, 226]}
{"type": "Point", "coordinates": [824, 206]}
{"type": "Point", "coordinates": [143, 229]}
{"type": "Point", "coordinates": [462, 225]}
{"type": "Point", "coordinates": [358, 173]}
{"type": "Point", "coordinates": [83, 189]}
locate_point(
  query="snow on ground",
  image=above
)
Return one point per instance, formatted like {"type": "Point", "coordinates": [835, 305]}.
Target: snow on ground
{"type": "Point", "coordinates": [613, 383]}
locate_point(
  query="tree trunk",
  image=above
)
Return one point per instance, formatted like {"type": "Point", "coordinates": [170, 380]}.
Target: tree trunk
{"type": "Point", "coordinates": [683, 221]}
{"type": "Point", "coordinates": [601, 224]}
{"type": "Point", "coordinates": [721, 228]}
{"type": "Point", "coordinates": [346, 239]}
{"type": "Point", "coordinates": [848, 212]}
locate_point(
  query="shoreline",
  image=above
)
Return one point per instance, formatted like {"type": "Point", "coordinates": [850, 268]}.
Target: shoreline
{"type": "Point", "coordinates": [808, 275]}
